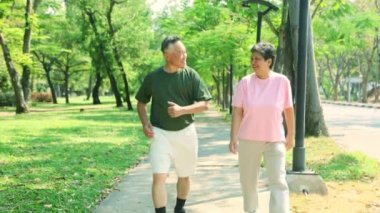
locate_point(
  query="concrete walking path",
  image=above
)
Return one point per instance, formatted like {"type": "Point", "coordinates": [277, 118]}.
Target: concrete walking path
{"type": "Point", "coordinates": [214, 188]}
{"type": "Point", "coordinates": [354, 128]}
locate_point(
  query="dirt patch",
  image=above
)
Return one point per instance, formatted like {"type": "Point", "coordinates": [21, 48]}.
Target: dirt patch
{"type": "Point", "coordinates": [347, 197]}
{"type": "Point", "coordinates": [7, 114]}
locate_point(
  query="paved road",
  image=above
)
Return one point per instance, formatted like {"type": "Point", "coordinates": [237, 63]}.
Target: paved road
{"type": "Point", "coordinates": [355, 128]}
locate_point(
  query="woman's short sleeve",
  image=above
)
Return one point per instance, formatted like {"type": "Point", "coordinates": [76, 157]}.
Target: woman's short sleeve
{"type": "Point", "coordinates": [288, 100]}
{"type": "Point", "coordinates": [238, 96]}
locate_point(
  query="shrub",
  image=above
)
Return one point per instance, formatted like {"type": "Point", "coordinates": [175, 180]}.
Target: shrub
{"type": "Point", "coordinates": [7, 99]}
{"type": "Point", "coordinates": [41, 97]}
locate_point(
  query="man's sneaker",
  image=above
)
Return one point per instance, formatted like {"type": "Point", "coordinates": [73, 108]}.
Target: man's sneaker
{"type": "Point", "coordinates": [179, 211]}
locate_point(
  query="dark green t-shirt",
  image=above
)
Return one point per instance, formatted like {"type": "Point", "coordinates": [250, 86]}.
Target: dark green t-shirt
{"type": "Point", "coordinates": [183, 88]}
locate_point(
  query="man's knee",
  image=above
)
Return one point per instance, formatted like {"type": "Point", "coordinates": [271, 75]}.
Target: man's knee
{"type": "Point", "coordinates": [185, 179]}
{"type": "Point", "coordinates": [159, 179]}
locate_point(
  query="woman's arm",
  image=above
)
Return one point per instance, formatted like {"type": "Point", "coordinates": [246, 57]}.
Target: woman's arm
{"type": "Point", "coordinates": [237, 116]}
{"type": "Point", "coordinates": [289, 120]}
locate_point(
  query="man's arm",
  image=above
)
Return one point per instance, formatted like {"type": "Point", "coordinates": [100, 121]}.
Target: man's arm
{"type": "Point", "coordinates": [147, 127]}
{"type": "Point", "coordinates": [175, 110]}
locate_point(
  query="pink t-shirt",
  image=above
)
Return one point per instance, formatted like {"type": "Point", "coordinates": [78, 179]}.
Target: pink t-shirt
{"type": "Point", "coordinates": [263, 101]}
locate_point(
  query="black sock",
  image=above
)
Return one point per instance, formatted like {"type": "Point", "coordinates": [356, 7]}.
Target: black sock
{"type": "Point", "coordinates": [180, 203]}
{"type": "Point", "coordinates": [161, 210]}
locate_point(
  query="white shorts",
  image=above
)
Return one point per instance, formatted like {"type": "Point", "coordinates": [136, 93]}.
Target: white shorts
{"type": "Point", "coordinates": [179, 147]}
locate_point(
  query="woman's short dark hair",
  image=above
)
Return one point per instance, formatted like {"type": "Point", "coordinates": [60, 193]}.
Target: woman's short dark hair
{"type": "Point", "coordinates": [167, 41]}
{"type": "Point", "coordinates": [265, 49]}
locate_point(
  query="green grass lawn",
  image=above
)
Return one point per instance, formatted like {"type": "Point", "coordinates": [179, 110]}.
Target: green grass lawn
{"type": "Point", "coordinates": [64, 159]}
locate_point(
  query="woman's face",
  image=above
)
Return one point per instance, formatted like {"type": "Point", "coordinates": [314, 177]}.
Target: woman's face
{"type": "Point", "coordinates": [259, 64]}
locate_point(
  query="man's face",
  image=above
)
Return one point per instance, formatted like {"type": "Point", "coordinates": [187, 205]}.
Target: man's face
{"type": "Point", "coordinates": [176, 55]}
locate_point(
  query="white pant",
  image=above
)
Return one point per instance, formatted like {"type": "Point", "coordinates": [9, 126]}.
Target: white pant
{"type": "Point", "coordinates": [177, 147]}
{"type": "Point", "coordinates": [250, 153]}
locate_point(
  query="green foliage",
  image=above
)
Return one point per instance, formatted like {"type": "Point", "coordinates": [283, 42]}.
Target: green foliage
{"type": "Point", "coordinates": [4, 82]}
{"type": "Point", "coordinates": [7, 99]}
{"type": "Point", "coordinates": [344, 37]}
{"type": "Point", "coordinates": [5, 8]}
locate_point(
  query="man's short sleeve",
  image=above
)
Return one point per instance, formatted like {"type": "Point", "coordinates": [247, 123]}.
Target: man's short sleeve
{"type": "Point", "coordinates": [237, 98]}
{"type": "Point", "coordinates": [145, 92]}
{"type": "Point", "coordinates": [201, 92]}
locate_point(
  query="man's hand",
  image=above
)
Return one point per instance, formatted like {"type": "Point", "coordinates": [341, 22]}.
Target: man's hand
{"type": "Point", "coordinates": [289, 144]}
{"type": "Point", "coordinates": [233, 147]}
{"type": "Point", "coordinates": [174, 110]}
{"type": "Point", "coordinates": [148, 130]}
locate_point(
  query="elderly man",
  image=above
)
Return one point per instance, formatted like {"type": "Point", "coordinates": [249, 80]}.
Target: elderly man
{"type": "Point", "coordinates": [177, 93]}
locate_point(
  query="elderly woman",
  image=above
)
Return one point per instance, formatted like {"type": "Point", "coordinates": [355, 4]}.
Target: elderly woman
{"type": "Point", "coordinates": [259, 101]}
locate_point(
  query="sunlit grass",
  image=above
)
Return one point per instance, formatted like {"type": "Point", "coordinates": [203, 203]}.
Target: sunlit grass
{"type": "Point", "coordinates": [327, 159]}
{"type": "Point", "coordinates": [63, 160]}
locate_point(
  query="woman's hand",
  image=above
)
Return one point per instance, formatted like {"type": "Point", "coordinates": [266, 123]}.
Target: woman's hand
{"type": "Point", "coordinates": [289, 144]}
{"type": "Point", "coordinates": [233, 147]}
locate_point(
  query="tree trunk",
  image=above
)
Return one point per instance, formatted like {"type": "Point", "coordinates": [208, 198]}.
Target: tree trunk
{"type": "Point", "coordinates": [21, 105]}
{"type": "Point", "coordinates": [107, 61]}
{"type": "Point", "coordinates": [364, 88]}
{"type": "Point", "coordinates": [67, 76]}
{"type": "Point", "coordinates": [51, 86]}
{"type": "Point", "coordinates": [48, 67]}
{"type": "Point", "coordinates": [25, 80]}
{"type": "Point", "coordinates": [126, 91]}
{"type": "Point", "coordinates": [36, 3]}
{"type": "Point", "coordinates": [366, 73]}
{"type": "Point", "coordinates": [88, 90]}
{"type": "Point", "coordinates": [279, 63]}
{"type": "Point", "coordinates": [223, 89]}
{"type": "Point", "coordinates": [217, 85]}
{"type": "Point", "coordinates": [231, 86]}
{"type": "Point", "coordinates": [95, 91]}
{"type": "Point", "coordinates": [117, 55]}
{"type": "Point", "coordinates": [314, 119]}
{"type": "Point", "coordinates": [227, 90]}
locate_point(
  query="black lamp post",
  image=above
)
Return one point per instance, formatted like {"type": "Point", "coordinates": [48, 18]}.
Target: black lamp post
{"type": "Point", "coordinates": [299, 149]}
{"type": "Point", "coordinates": [260, 14]}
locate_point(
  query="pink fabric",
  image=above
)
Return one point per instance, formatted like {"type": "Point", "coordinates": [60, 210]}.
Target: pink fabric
{"type": "Point", "coordinates": [263, 101]}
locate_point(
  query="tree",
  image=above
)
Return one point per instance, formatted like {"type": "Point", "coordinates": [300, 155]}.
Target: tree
{"type": "Point", "coordinates": [314, 120]}
{"type": "Point", "coordinates": [25, 80]}
{"type": "Point", "coordinates": [47, 64]}
{"type": "Point", "coordinates": [347, 40]}
{"type": "Point", "coordinates": [7, 8]}
{"type": "Point", "coordinates": [116, 53]}
{"type": "Point", "coordinates": [105, 55]}
{"type": "Point", "coordinates": [120, 33]}
{"type": "Point", "coordinates": [69, 63]}
{"type": "Point", "coordinates": [21, 105]}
